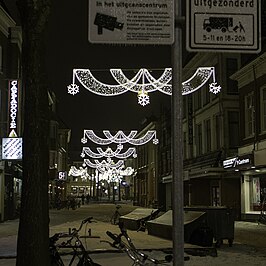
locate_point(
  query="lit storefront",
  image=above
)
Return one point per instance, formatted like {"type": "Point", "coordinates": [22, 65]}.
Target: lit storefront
{"type": "Point", "coordinates": [253, 183]}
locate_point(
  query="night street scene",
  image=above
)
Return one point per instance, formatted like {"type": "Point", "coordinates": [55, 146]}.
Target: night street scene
{"type": "Point", "coordinates": [133, 132]}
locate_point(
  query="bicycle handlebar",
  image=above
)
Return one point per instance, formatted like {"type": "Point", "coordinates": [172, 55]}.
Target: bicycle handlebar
{"type": "Point", "coordinates": [88, 220]}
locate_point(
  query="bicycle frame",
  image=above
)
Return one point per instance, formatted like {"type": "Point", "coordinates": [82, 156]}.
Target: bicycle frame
{"type": "Point", "coordinates": [77, 247]}
{"type": "Point", "coordinates": [127, 246]}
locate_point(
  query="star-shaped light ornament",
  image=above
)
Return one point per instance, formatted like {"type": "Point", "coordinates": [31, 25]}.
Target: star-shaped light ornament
{"type": "Point", "coordinates": [143, 98]}
{"type": "Point", "coordinates": [214, 88]}
{"type": "Point", "coordinates": [73, 89]}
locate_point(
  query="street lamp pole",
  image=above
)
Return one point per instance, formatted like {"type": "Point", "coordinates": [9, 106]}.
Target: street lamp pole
{"type": "Point", "coordinates": [177, 142]}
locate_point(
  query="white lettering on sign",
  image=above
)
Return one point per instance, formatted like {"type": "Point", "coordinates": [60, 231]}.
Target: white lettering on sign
{"type": "Point", "coordinates": [13, 104]}
{"type": "Point", "coordinates": [224, 3]}
{"type": "Point", "coordinates": [131, 21]}
{"type": "Point", "coordinates": [235, 162]}
{"type": "Point", "coordinates": [224, 25]}
{"type": "Point", "coordinates": [240, 162]}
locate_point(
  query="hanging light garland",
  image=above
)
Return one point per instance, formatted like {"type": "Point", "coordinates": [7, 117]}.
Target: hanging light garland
{"type": "Point", "coordinates": [82, 172]}
{"type": "Point", "coordinates": [104, 165]}
{"type": "Point", "coordinates": [109, 153]}
{"type": "Point", "coordinates": [142, 83]}
{"type": "Point", "coordinates": [119, 138]}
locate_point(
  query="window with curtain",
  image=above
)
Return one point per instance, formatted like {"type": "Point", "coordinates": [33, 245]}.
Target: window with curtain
{"type": "Point", "coordinates": [218, 131]}
{"type": "Point", "coordinates": [249, 115]}
{"type": "Point", "coordinates": [263, 108]}
{"type": "Point", "coordinates": [198, 139]}
{"type": "Point", "coordinates": [233, 127]}
{"type": "Point", "coordinates": [1, 59]}
{"type": "Point", "coordinates": [207, 129]}
{"type": "Point", "coordinates": [231, 68]}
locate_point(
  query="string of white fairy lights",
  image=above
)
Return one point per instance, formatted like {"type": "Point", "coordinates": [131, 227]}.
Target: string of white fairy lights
{"type": "Point", "coordinates": [109, 153]}
{"type": "Point", "coordinates": [142, 83]}
{"type": "Point", "coordinates": [76, 172]}
{"type": "Point", "coordinates": [104, 165]}
{"type": "Point", "coordinates": [118, 138]}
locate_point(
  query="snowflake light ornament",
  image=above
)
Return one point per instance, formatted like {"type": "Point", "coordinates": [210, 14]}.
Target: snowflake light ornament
{"type": "Point", "coordinates": [73, 89]}
{"type": "Point", "coordinates": [155, 141]}
{"type": "Point", "coordinates": [214, 88]}
{"type": "Point", "coordinates": [143, 98]}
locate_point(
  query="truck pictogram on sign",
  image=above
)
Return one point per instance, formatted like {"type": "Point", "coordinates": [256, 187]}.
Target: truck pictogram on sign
{"type": "Point", "coordinates": [218, 23]}
{"type": "Point", "coordinates": [225, 24]}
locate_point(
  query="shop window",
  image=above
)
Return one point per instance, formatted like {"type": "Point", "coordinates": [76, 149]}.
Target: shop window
{"type": "Point", "coordinates": [249, 115]}
{"type": "Point", "coordinates": [263, 108]}
{"type": "Point", "coordinates": [255, 195]}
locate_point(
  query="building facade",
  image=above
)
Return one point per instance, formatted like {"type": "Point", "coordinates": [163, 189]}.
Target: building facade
{"type": "Point", "coordinates": [251, 160]}
{"type": "Point", "coordinates": [145, 179]}
{"type": "Point", "coordinates": [10, 73]}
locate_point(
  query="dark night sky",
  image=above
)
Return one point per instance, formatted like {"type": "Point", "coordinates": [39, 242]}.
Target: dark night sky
{"type": "Point", "coordinates": [68, 47]}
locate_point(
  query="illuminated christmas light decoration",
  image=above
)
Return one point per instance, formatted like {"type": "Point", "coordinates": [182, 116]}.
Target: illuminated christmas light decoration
{"type": "Point", "coordinates": [109, 153]}
{"type": "Point", "coordinates": [115, 175]}
{"type": "Point", "coordinates": [104, 165]}
{"type": "Point", "coordinates": [200, 77]}
{"type": "Point", "coordinates": [82, 172]}
{"type": "Point", "coordinates": [120, 137]}
{"type": "Point", "coordinates": [142, 83]}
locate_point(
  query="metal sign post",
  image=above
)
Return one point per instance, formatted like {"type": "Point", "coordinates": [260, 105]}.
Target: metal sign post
{"type": "Point", "coordinates": [177, 144]}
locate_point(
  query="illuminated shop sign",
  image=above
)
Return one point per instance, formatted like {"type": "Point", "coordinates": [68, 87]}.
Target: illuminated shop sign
{"type": "Point", "coordinates": [12, 148]}
{"type": "Point", "coordinates": [238, 162]}
{"type": "Point", "coordinates": [13, 105]}
{"type": "Point", "coordinates": [62, 175]}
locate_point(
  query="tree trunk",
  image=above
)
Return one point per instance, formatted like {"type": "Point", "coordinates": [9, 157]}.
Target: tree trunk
{"type": "Point", "coordinates": [33, 235]}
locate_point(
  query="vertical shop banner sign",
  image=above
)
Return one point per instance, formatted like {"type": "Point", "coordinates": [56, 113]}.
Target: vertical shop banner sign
{"type": "Point", "coordinates": [131, 21]}
{"type": "Point", "coordinates": [13, 90]}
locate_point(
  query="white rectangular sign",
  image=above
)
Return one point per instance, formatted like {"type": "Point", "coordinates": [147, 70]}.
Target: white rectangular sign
{"type": "Point", "coordinates": [224, 25]}
{"type": "Point", "coordinates": [131, 21]}
{"type": "Point", "coordinates": [12, 148]}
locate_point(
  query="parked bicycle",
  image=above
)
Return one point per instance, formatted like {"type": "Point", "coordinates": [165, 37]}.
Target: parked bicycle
{"type": "Point", "coordinates": [116, 216]}
{"type": "Point", "coordinates": [78, 251]}
{"type": "Point", "coordinates": [124, 243]}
